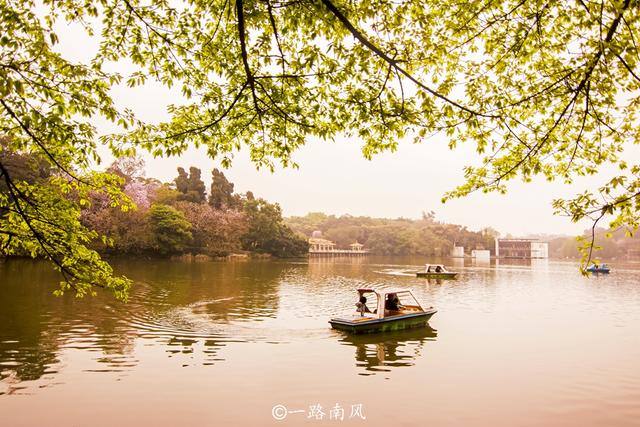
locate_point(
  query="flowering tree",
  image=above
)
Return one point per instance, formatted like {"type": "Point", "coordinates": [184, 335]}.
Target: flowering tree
{"type": "Point", "coordinates": [215, 231]}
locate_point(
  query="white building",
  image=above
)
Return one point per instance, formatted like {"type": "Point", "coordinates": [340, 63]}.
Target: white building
{"type": "Point", "coordinates": [457, 252]}
{"type": "Point", "coordinates": [481, 254]}
{"type": "Point", "coordinates": [320, 246]}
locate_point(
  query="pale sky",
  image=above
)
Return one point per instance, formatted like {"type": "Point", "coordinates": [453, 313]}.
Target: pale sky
{"type": "Point", "coordinates": [335, 178]}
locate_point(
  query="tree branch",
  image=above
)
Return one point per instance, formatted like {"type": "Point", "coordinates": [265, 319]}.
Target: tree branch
{"type": "Point", "coordinates": [39, 143]}
{"type": "Point", "coordinates": [245, 56]}
{"type": "Point", "coordinates": [395, 64]}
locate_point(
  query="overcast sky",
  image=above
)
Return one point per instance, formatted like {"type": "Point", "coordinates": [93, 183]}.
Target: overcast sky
{"type": "Point", "coordinates": [335, 178]}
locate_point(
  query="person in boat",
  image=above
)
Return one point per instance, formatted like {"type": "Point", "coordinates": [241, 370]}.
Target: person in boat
{"type": "Point", "coordinates": [438, 269]}
{"type": "Point", "coordinates": [361, 305]}
{"type": "Point", "coordinates": [392, 302]}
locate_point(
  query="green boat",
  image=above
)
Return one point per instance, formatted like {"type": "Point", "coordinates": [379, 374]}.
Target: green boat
{"type": "Point", "coordinates": [389, 310]}
{"type": "Point", "coordinates": [436, 271]}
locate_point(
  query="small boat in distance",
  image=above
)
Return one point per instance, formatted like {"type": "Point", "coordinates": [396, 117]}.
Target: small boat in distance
{"type": "Point", "coordinates": [436, 271]}
{"type": "Point", "coordinates": [385, 310]}
{"type": "Point", "coordinates": [598, 268]}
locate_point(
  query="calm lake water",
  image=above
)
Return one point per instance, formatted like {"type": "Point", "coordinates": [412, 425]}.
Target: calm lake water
{"type": "Point", "coordinates": [223, 343]}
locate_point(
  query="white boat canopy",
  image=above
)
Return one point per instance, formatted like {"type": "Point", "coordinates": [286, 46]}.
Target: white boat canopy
{"type": "Point", "coordinates": [435, 268]}
{"type": "Point", "coordinates": [405, 297]}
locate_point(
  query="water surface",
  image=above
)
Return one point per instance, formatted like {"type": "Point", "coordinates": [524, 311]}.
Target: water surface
{"type": "Point", "coordinates": [222, 343]}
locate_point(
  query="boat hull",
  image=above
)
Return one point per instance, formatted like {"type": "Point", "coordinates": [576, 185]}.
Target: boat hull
{"type": "Point", "coordinates": [445, 275]}
{"type": "Point", "coordinates": [395, 323]}
{"type": "Point", "coordinates": [599, 270]}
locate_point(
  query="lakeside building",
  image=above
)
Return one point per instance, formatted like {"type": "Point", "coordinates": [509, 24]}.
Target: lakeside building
{"type": "Point", "coordinates": [481, 254]}
{"type": "Point", "coordinates": [319, 246]}
{"type": "Point", "coordinates": [633, 253]}
{"type": "Point", "coordinates": [457, 252]}
{"type": "Point", "coordinates": [522, 248]}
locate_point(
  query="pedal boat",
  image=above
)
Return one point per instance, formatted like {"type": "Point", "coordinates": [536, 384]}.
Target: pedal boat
{"type": "Point", "coordinates": [598, 268]}
{"type": "Point", "coordinates": [436, 271]}
{"type": "Point", "coordinates": [373, 317]}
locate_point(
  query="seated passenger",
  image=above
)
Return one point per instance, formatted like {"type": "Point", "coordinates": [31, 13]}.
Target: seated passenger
{"type": "Point", "coordinates": [438, 269]}
{"type": "Point", "coordinates": [392, 302]}
{"type": "Point", "coordinates": [362, 306]}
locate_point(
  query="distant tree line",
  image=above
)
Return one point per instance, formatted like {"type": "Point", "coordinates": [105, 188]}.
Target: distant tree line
{"type": "Point", "coordinates": [402, 236]}
{"type": "Point", "coordinates": [429, 237]}
{"type": "Point", "coordinates": [609, 244]}
{"type": "Point", "coordinates": [182, 217]}
{"type": "Point", "coordinates": [174, 218]}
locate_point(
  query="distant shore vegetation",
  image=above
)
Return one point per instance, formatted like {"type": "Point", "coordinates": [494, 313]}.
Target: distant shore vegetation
{"type": "Point", "coordinates": [402, 236]}
{"type": "Point", "coordinates": [429, 237]}
{"type": "Point", "coordinates": [176, 218]}
{"type": "Point", "coordinates": [183, 218]}
{"type": "Point", "coordinates": [608, 245]}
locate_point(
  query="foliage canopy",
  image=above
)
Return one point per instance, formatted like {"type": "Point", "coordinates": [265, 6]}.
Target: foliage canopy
{"type": "Point", "coordinates": [541, 87]}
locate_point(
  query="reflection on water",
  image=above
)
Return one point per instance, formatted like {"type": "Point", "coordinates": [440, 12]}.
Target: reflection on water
{"type": "Point", "coordinates": [382, 352]}
{"type": "Point", "coordinates": [174, 304]}
{"type": "Point", "coordinates": [518, 344]}
{"type": "Point", "coordinates": [482, 262]}
{"type": "Point", "coordinates": [434, 281]}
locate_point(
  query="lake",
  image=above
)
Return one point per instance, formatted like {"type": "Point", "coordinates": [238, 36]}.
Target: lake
{"type": "Point", "coordinates": [247, 343]}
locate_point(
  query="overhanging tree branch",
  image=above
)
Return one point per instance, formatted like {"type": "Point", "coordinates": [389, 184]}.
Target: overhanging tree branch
{"type": "Point", "coordinates": [245, 56]}
{"type": "Point", "coordinates": [39, 143]}
{"type": "Point", "coordinates": [381, 54]}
